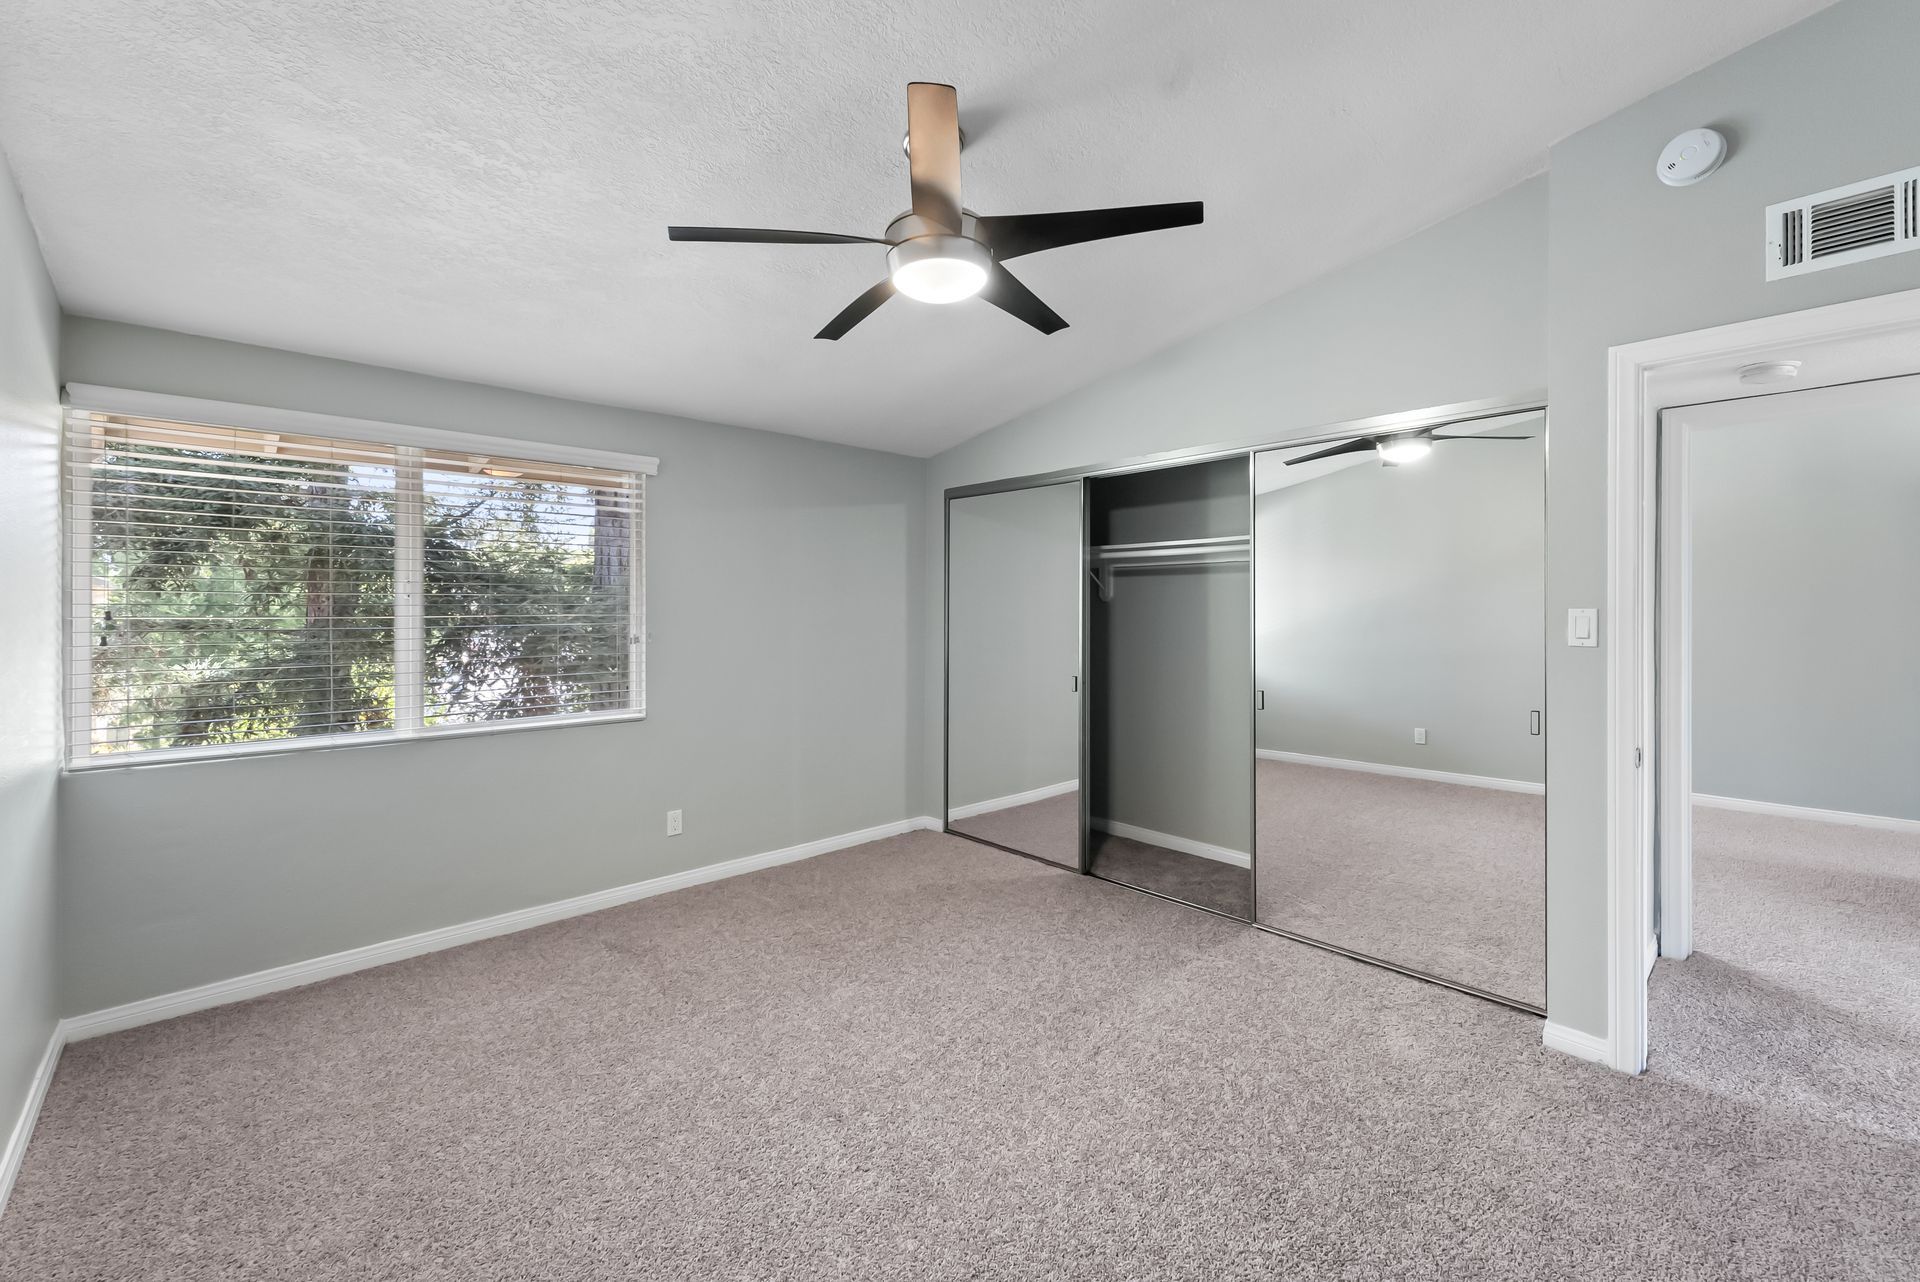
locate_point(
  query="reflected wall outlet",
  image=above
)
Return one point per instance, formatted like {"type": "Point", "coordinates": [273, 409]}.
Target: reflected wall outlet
{"type": "Point", "coordinates": [1419, 734]}
{"type": "Point", "coordinates": [673, 823]}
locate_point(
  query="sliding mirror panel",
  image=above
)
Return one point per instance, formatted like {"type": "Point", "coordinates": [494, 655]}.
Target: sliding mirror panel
{"type": "Point", "coordinates": [1400, 683]}
{"type": "Point", "coordinates": [1013, 664]}
{"type": "Point", "coordinates": [1169, 642]}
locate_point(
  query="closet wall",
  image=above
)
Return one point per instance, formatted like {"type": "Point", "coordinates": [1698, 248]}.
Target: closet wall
{"type": "Point", "coordinates": [1454, 313]}
{"type": "Point", "coordinates": [1168, 661]}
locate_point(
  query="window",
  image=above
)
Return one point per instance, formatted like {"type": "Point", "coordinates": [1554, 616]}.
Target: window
{"type": "Point", "coordinates": [238, 589]}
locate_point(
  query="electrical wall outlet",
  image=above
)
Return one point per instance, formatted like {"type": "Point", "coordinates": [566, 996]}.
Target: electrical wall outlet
{"type": "Point", "coordinates": [1419, 734]}
{"type": "Point", "coordinates": [673, 823]}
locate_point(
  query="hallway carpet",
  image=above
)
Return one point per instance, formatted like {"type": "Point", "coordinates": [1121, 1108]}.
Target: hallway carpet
{"type": "Point", "coordinates": [920, 1059]}
{"type": "Point", "coordinates": [1803, 989]}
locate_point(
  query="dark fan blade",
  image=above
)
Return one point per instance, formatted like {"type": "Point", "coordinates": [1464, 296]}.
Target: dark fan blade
{"type": "Point", "coordinates": [764, 236]}
{"type": "Point", "coordinates": [1475, 436]}
{"type": "Point", "coordinates": [933, 152]}
{"type": "Point", "coordinates": [1344, 447]}
{"type": "Point", "coordinates": [1012, 235]}
{"type": "Point", "coordinates": [1005, 291]}
{"type": "Point", "coordinates": [858, 310]}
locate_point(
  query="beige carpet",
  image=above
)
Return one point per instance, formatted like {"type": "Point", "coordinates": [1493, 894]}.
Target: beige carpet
{"type": "Point", "coordinates": [1211, 883]}
{"type": "Point", "coordinates": [1438, 877]}
{"type": "Point", "coordinates": [921, 1059]}
{"type": "Point", "coordinates": [1050, 829]}
{"type": "Point", "coordinates": [1803, 989]}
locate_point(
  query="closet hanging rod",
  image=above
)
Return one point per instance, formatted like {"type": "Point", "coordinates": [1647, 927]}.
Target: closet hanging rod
{"type": "Point", "coordinates": [1176, 563]}
{"type": "Point", "coordinates": [1223, 552]}
{"type": "Point", "coordinates": [1161, 547]}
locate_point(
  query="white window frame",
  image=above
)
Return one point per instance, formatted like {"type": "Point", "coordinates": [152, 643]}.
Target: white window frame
{"type": "Point", "coordinates": [409, 639]}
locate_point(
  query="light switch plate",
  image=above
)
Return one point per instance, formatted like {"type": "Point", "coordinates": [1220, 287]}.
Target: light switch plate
{"type": "Point", "coordinates": [1583, 627]}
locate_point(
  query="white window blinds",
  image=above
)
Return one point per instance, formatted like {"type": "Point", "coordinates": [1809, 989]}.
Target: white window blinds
{"type": "Point", "coordinates": [236, 589]}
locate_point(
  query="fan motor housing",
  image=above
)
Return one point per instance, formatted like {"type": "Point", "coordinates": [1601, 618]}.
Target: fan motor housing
{"type": "Point", "coordinates": [911, 226]}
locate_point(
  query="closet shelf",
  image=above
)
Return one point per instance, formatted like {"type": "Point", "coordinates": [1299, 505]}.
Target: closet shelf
{"type": "Point", "coordinates": [1167, 554]}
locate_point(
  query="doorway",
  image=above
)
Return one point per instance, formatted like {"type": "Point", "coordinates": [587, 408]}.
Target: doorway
{"type": "Point", "coordinates": [1788, 810]}
{"type": "Point", "coordinates": [1854, 342]}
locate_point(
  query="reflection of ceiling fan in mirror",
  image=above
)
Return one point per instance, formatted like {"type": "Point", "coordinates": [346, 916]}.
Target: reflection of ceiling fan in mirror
{"type": "Point", "coordinates": [1398, 447]}
{"type": "Point", "coordinates": [942, 252]}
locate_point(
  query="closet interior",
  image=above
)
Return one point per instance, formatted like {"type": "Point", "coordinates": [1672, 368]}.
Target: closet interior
{"type": "Point", "coordinates": [1297, 684]}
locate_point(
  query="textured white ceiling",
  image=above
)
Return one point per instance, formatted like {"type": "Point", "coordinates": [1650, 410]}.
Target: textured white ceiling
{"type": "Point", "coordinates": [480, 188]}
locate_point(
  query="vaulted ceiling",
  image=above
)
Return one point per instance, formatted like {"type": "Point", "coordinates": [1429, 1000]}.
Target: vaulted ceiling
{"type": "Point", "coordinates": [480, 189]}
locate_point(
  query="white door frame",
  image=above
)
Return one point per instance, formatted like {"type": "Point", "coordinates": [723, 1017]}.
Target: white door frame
{"type": "Point", "coordinates": [1673, 691]}
{"type": "Point", "coordinates": [1868, 338]}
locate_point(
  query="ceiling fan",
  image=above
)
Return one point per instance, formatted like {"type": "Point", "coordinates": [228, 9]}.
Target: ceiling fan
{"type": "Point", "coordinates": [941, 252]}
{"type": "Point", "coordinates": [1398, 447]}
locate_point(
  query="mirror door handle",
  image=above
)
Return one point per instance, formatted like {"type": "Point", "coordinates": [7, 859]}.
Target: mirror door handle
{"type": "Point", "coordinates": [1533, 722]}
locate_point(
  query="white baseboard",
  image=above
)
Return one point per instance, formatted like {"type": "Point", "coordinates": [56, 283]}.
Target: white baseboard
{"type": "Point", "coordinates": [242, 988]}
{"type": "Point", "coordinates": [1166, 840]}
{"type": "Point", "coordinates": [1402, 772]}
{"type": "Point", "coordinates": [1571, 1041]}
{"type": "Point", "coordinates": [15, 1151]}
{"type": "Point", "coordinates": [1887, 822]}
{"type": "Point", "coordinates": [1011, 800]}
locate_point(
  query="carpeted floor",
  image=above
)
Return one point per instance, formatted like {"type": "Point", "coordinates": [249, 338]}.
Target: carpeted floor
{"type": "Point", "coordinates": [1804, 983]}
{"type": "Point", "coordinates": [1446, 879]}
{"type": "Point", "coordinates": [1211, 883]}
{"type": "Point", "coordinates": [1050, 830]}
{"type": "Point", "coordinates": [922, 1059]}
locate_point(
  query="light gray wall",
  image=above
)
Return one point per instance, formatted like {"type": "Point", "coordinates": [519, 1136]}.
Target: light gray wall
{"type": "Point", "coordinates": [1172, 726]}
{"type": "Point", "coordinates": [780, 575]}
{"type": "Point", "coordinates": [1015, 642]}
{"type": "Point", "coordinates": [1806, 606]}
{"type": "Point", "coordinates": [1827, 102]}
{"type": "Point", "coordinates": [1393, 597]}
{"type": "Point", "coordinates": [1456, 313]}
{"type": "Point", "coordinates": [29, 661]}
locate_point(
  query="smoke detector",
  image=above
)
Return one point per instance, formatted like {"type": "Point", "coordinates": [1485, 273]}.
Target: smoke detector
{"type": "Point", "coordinates": [1691, 156]}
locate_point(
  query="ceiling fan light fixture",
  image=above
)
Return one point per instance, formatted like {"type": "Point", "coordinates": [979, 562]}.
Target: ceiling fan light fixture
{"type": "Point", "coordinates": [1402, 449]}
{"type": "Point", "coordinates": [939, 269]}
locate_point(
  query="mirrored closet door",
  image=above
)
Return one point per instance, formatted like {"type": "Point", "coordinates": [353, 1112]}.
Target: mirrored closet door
{"type": "Point", "coordinates": [1399, 672]}
{"type": "Point", "coordinates": [1169, 650]}
{"type": "Point", "coordinates": [1013, 669]}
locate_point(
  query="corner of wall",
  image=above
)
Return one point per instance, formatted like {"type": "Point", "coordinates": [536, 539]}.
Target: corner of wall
{"type": "Point", "coordinates": [29, 673]}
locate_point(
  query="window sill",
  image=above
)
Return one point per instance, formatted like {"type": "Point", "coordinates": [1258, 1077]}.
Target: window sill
{"type": "Point", "coordinates": [331, 743]}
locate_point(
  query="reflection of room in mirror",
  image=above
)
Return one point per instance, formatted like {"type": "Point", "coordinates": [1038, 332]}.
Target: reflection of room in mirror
{"type": "Point", "coordinates": [1044, 822]}
{"type": "Point", "coordinates": [1446, 878]}
{"type": "Point", "coordinates": [1399, 649]}
{"type": "Point", "coordinates": [1013, 706]}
